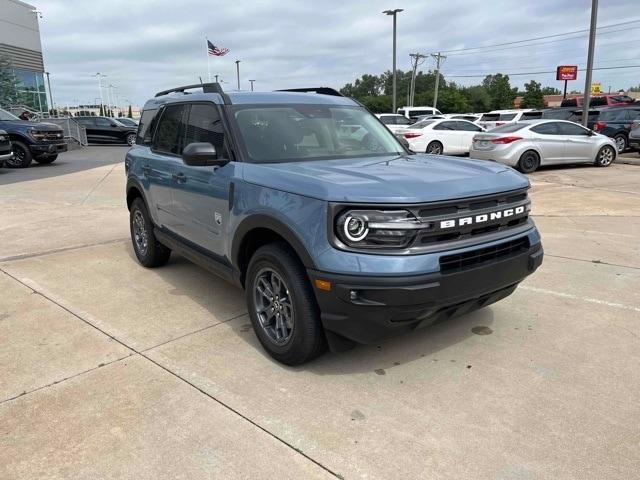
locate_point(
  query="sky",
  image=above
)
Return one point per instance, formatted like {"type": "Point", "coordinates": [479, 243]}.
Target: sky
{"type": "Point", "coordinates": [144, 46]}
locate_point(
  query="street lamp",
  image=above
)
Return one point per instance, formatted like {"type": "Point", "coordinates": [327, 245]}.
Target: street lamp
{"type": "Point", "coordinates": [251, 81]}
{"type": "Point", "coordinates": [394, 14]}
{"type": "Point", "coordinates": [50, 96]}
{"type": "Point", "coordinates": [238, 72]}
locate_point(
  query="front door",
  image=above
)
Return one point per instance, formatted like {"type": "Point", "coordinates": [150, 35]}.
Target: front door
{"type": "Point", "coordinates": [578, 142]}
{"type": "Point", "coordinates": [550, 142]}
{"type": "Point", "coordinates": [201, 194]}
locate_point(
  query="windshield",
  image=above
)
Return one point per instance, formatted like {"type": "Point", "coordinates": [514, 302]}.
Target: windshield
{"type": "Point", "coordinates": [285, 133]}
{"type": "Point", "coordinates": [4, 115]}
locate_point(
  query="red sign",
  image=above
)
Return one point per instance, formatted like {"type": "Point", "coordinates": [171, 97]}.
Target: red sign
{"type": "Point", "coordinates": [567, 72]}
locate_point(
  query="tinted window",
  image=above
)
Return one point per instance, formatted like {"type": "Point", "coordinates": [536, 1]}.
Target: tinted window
{"type": "Point", "coordinates": [550, 128]}
{"type": "Point", "coordinates": [388, 120]}
{"type": "Point", "coordinates": [204, 125]}
{"type": "Point", "coordinates": [531, 115]}
{"type": "Point", "coordinates": [618, 115]}
{"type": "Point", "coordinates": [507, 116]}
{"type": "Point", "coordinates": [422, 124]}
{"type": "Point", "coordinates": [103, 122]}
{"type": "Point", "coordinates": [572, 129]}
{"type": "Point", "coordinates": [512, 127]}
{"type": "Point", "coordinates": [598, 101]}
{"type": "Point", "coordinates": [557, 114]}
{"type": "Point", "coordinates": [87, 122]}
{"type": "Point", "coordinates": [401, 112]}
{"type": "Point", "coordinates": [145, 128]}
{"type": "Point", "coordinates": [446, 126]}
{"type": "Point", "coordinates": [402, 121]}
{"type": "Point", "coordinates": [468, 127]}
{"type": "Point", "coordinates": [168, 133]}
{"type": "Point", "coordinates": [570, 102]}
{"type": "Point", "coordinates": [490, 117]}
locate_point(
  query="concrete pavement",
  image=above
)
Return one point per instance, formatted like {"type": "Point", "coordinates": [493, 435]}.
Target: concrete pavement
{"type": "Point", "coordinates": [110, 370]}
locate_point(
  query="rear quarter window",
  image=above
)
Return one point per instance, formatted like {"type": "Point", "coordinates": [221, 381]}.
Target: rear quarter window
{"type": "Point", "coordinates": [145, 127]}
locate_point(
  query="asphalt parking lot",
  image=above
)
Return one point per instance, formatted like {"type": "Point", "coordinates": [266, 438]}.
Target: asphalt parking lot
{"type": "Point", "coordinates": [110, 370]}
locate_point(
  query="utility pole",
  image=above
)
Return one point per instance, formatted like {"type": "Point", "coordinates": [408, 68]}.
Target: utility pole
{"type": "Point", "coordinates": [251, 81]}
{"type": "Point", "coordinates": [415, 61]}
{"type": "Point", "coordinates": [438, 58]}
{"type": "Point", "coordinates": [592, 46]}
{"type": "Point", "coordinates": [394, 13]}
{"type": "Point", "coordinates": [238, 72]}
{"type": "Point", "coordinates": [99, 75]}
{"type": "Point", "coordinates": [50, 96]}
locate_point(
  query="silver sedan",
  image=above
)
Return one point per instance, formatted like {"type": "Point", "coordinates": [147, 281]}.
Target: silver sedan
{"type": "Point", "coordinates": [528, 144]}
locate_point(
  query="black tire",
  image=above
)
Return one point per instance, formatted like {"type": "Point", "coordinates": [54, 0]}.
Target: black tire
{"type": "Point", "coordinates": [46, 160]}
{"type": "Point", "coordinates": [529, 162]}
{"type": "Point", "coordinates": [305, 339]}
{"type": "Point", "coordinates": [21, 155]}
{"type": "Point", "coordinates": [621, 142]}
{"type": "Point", "coordinates": [605, 157]}
{"type": "Point", "coordinates": [435, 148]}
{"type": "Point", "coordinates": [149, 251]}
{"type": "Point", "coordinates": [131, 139]}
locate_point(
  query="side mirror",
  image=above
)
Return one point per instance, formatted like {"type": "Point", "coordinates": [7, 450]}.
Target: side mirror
{"type": "Point", "coordinates": [201, 154]}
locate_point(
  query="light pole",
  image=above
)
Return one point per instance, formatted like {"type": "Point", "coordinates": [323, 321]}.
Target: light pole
{"type": "Point", "coordinates": [238, 72]}
{"type": "Point", "coordinates": [100, 75]}
{"type": "Point", "coordinates": [50, 96]}
{"type": "Point", "coordinates": [394, 14]}
{"type": "Point", "coordinates": [251, 81]}
{"type": "Point", "coordinates": [587, 79]}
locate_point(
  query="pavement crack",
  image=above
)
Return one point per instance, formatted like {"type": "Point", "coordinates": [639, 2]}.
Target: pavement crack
{"type": "Point", "coordinates": [61, 249]}
{"type": "Point", "coordinates": [98, 184]}
{"type": "Point", "coordinates": [597, 262]}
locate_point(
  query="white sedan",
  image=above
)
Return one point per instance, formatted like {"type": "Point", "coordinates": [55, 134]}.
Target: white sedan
{"type": "Point", "coordinates": [441, 136]}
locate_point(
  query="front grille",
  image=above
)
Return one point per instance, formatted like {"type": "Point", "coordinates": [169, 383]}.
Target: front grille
{"type": "Point", "coordinates": [475, 258]}
{"type": "Point", "coordinates": [49, 136]}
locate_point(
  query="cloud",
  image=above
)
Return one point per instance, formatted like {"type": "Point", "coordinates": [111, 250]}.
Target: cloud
{"type": "Point", "coordinates": [146, 46]}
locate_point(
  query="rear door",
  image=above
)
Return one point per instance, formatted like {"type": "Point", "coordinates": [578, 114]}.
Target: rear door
{"type": "Point", "coordinates": [467, 131]}
{"type": "Point", "coordinates": [551, 142]}
{"type": "Point", "coordinates": [105, 131]}
{"type": "Point", "coordinates": [447, 133]}
{"type": "Point", "coordinates": [201, 194]}
{"type": "Point", "coordinates": [579, 144]}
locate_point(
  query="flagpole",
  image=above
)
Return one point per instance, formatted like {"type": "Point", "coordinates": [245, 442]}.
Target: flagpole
{"type": "Point", "coordinates": [206, 45]}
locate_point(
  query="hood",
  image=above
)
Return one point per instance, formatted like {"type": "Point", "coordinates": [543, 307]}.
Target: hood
{"type": "Point", "coordinates": [405, 179]}
{"type": "Point", "coordinates": [42, 126]}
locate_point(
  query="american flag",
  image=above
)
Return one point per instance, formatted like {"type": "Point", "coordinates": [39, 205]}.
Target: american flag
{"type": "Point", "coordinates": [217, 51]}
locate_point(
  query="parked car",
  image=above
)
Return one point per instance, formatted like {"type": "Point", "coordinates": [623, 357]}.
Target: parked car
{"type": "Point", "coordinates": [107, 130]}
{"type": "Point", "coordinates": [471, 117]}
{"type": "Point", "coordinates": [441, 136]}
{"type": "Point", "coordinates": [394, 121]}
{"type": "Point", "coordinates": [5, 148]}
{"type": "Point", "coordinates": [412, 113]}
{"type": "Point", "coordinates": [126, 121]}
{"type": "Point", "coordinates": [496, 118]}
{"type": "Point", "coordinates": [37, 141]}
{"type": "Point", "coordinates": [614, 122]}
{"type": "Point", "coordinates": [608, 100]}
{"type": "Point", "coordinates": [334, 241]}
{"type": "Point", "coordinates": [634, 135]}
{"type": "Point", "coordinates": [526, 145]}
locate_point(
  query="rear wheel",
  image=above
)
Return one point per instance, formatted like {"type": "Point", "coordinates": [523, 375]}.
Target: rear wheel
{"type": "Point", "coordinates": [529, 162]}
{"type": "Point", "coordinates": [621, 142]}
{"type": "Point", "coordinates": [282, 306]}
{"type": "Point", "coordinates": [46, 160]}
{"type": "Point", "coordinates": [21, 156]}
{"type": "Point", "coordinates": [606, 156]}
{"type": "Point", "coordinates": [149, 251]}
{"type": "Point", "coordinates": [131, 139]}
{"type": "Point", "coordinates": [435, 148]}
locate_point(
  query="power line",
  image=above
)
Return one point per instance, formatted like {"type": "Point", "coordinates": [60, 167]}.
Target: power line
{"type": "Point", "coordinates": [539, 38]}
{"type": "Point", "coordinates": [541, 72]}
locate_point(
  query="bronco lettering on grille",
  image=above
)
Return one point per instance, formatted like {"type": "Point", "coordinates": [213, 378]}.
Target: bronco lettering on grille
{"type": "Point", "coordinates": [485, 217]}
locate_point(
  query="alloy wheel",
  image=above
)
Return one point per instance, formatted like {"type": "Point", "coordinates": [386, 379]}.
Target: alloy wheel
{"type": "Point", "coordinates": [18, 156]}
{"type": "Point", "coordinates": [131, 140]}
{"type": "Point", "coordinates": [605, 156]}
{"type": "Point", "coordinates": [273, 306]}
{"type": "Point", "coordinates": [621, 144]}
{"type": "Point", "coordinates": [140, 234]}
{"type": "Point", "coordinates": [434, 149]}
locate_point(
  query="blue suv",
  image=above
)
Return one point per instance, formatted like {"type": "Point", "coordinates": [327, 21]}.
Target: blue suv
{"type": "Point", "coordinates": [336, 232]}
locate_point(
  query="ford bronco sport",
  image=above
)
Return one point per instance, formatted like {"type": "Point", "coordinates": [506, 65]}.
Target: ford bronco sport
{"type": "Point", "coordinates": [335, 231]}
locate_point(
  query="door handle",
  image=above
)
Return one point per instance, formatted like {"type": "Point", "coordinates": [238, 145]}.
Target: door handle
{"type": "Point", "coordinates": [179, 177]}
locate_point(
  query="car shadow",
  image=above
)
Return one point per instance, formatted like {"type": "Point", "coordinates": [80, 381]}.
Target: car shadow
{"type": "Point", "coordinates": [378, 358]}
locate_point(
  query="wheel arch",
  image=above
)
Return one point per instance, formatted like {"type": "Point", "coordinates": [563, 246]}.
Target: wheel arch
{"type": "Point", "coordinates": [135, 190]}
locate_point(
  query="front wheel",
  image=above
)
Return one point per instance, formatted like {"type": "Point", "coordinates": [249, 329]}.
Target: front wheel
{"type": "Point", "coordinates": [21, 156]}
{"type": "Point", "coordinates": [131, 139]}
{"type": "Point", "coordinates": [149, 251]}
{"type": "Point", "coordinates": [621, 143]}
{"type": "Point", "coordinates": [529, 162]}
{"type": "Point", "coordinates": [282, 306]}
{"type": "Point", "coordinates": [606, 156]}
{"type": "Point", "coordinates": [46, 160]}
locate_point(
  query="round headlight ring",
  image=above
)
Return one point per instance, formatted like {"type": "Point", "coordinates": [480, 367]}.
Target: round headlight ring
{"type": "Point", "coordinates": [355, 228]}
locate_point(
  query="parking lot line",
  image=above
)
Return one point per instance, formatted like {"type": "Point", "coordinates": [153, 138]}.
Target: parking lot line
{"type": "Point", "coordinates": [577, 297]}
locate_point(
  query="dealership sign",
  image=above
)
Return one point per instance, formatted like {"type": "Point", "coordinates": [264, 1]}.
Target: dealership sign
{"type": "Point", "coordinates": [567, 72]}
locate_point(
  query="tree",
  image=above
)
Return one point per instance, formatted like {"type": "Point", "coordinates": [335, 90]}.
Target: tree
{"type": "Point", "coordinates": [478, 98]}
{"type": "Point", "coordinates": [451, 100]}
{"type": "Point", "coordinates": [500, 91]}
{"type": "Point", "coordinates": [551, 91]}
{"type": "Point", "coordinates": [130, 113]}
{"type": "Point", "coordinates": [533, 97]}
{"type": "Point", "coordinates": [9, 94]}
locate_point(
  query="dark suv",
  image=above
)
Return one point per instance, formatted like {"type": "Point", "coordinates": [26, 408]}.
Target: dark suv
{"type": "Point", "coordinates": [614, 122]}
{"type": "Point", "coordinates": [107, 130]}
{"type": "Point", "coordinates": [37, 141]}
{"type": "Point", "coordinates": [336, 232]}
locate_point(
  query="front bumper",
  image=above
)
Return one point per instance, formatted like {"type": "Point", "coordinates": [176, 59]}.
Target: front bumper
{"type": "Point", "coordinates": [5, 156]}
{"type": "Point", "coordinates": [366, 309]}
{"type": "Point", "coordinates": [38, 149]}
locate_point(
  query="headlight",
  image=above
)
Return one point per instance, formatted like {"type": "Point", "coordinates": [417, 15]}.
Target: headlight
{"type": "Point", "coordinates": [377, 228]}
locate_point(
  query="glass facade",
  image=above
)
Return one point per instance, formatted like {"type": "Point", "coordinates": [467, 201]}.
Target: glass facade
{"type": "Point", "coordinates": [32, 89]}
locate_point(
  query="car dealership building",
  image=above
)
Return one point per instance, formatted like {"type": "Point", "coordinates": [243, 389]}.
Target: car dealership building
{"type": "Point", "coordinates": [20, 45]}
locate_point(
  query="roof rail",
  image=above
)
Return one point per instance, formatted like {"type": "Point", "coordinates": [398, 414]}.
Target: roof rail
{"type": "Point", "coordinates": [206, 88]}
{"type": "Point", "coordinates": [318, 90]}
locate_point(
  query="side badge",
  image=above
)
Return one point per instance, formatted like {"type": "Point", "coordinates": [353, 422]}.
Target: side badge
{"type": "Point", "coordinates": [218, 218]}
